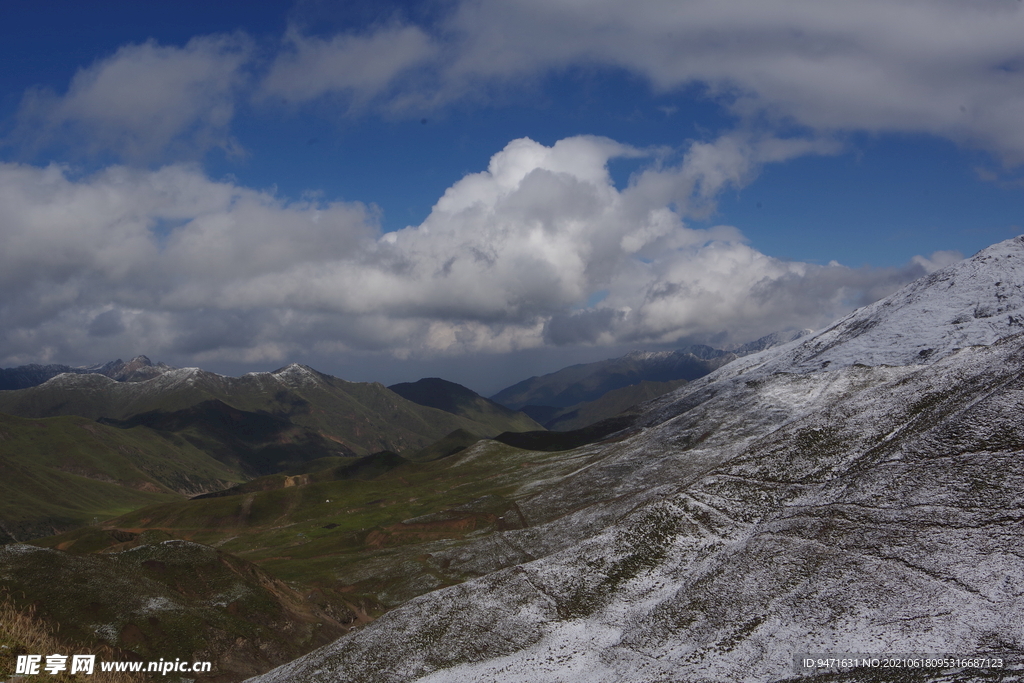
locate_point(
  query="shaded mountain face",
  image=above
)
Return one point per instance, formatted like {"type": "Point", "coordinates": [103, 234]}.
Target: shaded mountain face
{"type": "Point", "coordinates": [609, 405]}
{"type": "Point", "coordinates": [251, 443]}
{"type": "Point", "coordinates": [857, 491]}
{"type": "Point", "coordinates": [137, 369]}
{"type": "Point", "coordinates": [360, 417]}
{"type": "Point", "coordinates": [588, 382]}
{"type": "Point", "coordinates": [456, 399]}
{"type": "Point", "coordinates": [439, 393]}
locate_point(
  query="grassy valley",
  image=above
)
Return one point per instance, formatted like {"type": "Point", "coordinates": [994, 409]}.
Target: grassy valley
{"type": "Point", "coordinates": [318, 504]}
{"type": "Point", "coordinates": [350, 530]}
{"type": "Point", "coordinates": [262, 572]}
{"type": "Point", "coordinates": [314, 504]}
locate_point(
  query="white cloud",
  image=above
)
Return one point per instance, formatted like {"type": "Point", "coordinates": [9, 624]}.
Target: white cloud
{"type": "Point", "coordinates": [360, 65]}
{"type": "Point", "coordinates": [145, 101]}
{"type": "Point", "coordinates": [939, 259]}
{"type": "Point", "coordinates": [179, 266]}
{"type": "Point", "coordinates": [947, 68]}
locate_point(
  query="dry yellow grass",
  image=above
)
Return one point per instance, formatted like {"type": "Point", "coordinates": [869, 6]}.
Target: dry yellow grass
{"type": "Point", "coordinates": [22, 632]}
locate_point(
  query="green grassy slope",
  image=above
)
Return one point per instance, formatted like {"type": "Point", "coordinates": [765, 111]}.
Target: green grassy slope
{"type": "Point", "coordinates": [451, 444]}
{"type": "Point", "coordinates": [57, 473]}
{"type": "Point", "coordinates": [365, 417]}
{"type": "Point", "coordinates": [331, 469]}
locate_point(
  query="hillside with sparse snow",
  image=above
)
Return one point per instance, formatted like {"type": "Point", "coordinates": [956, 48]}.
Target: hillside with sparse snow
{"type": "Point", "coordinates": [859, 490]}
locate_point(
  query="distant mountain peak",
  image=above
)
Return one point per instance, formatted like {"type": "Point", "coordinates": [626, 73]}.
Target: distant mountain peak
{"type": "Point", "coordinates": [771, 340]}
{"type": "Point", "coordinates": [456, 399]}
{"type": "Point", "coordinates": [297, 373]}
{"type": "Point", "coordinates": [297, 368]}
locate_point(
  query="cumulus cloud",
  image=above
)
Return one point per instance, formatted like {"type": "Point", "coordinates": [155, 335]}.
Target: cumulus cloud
{"type": "Point", "coordinates": [181, 266]}
{"type": "Point", "coordinates": [144, 101]}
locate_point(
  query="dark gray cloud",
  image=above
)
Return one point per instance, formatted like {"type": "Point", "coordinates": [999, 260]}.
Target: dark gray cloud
{"type": "Point", "coordinates": [581, 327]}
{"type": "Point", "coordinates": [106, 324]}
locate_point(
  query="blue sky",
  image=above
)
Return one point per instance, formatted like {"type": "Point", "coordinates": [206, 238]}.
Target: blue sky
{"type": "Point", "coordinates": [487, 190]}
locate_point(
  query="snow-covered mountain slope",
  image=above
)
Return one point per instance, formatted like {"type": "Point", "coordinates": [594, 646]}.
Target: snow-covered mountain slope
{"type": "Point", "coordinates": [857, 491]}
{"type": "Point", "coordinates": [977, 301]}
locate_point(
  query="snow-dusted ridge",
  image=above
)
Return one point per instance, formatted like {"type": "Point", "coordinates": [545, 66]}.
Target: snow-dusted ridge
{"type": "Point", "coordinates": [977, 301]}
{"type": "Point", "coordinates": [860, 490]}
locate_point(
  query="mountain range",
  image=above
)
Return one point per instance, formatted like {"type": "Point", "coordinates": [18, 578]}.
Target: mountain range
{"type": "Point", "coordinates": [94, 447]}
{"type": "Point", "coordinates": [853, 491]}
{"type": "Point", "coordinates": [582, 394]}
{"type": "Point", "coordinates": [589, 381]}
{"type": "Point", "coordinates": [359, 417]}
{"type": "Point", "coordinates": [138, 369]}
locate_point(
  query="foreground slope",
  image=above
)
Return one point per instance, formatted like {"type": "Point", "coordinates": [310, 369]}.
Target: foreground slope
{"type": "Point", "coordinates": [857, 491]}
{"type": "Point", "coordinates": [171, 599]}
